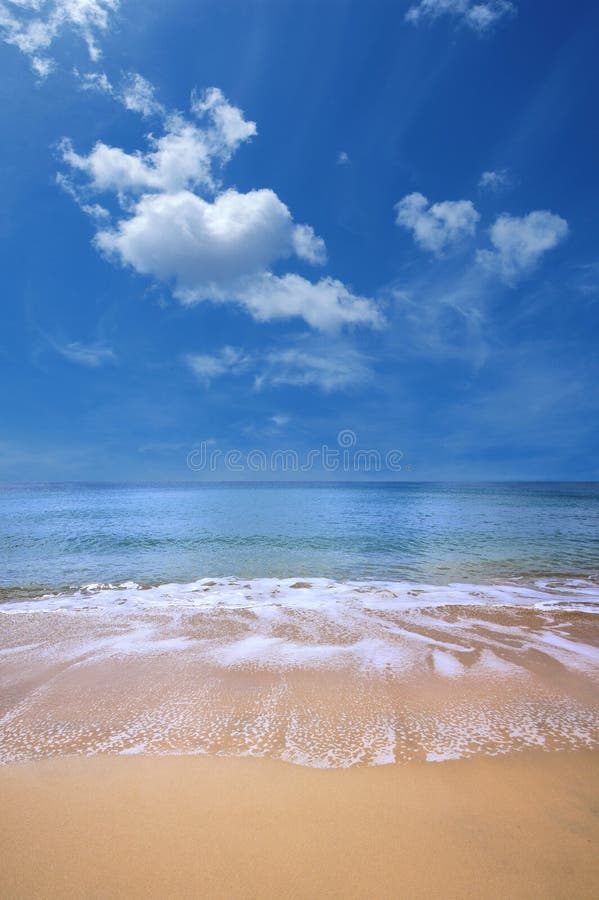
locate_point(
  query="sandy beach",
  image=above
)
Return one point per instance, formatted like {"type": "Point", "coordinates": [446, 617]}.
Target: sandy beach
{"type": "Point", "coordinates": [299, 470]}
{"type": "Point", "coordinates": [321, 674]}
{"type": "Point", "coordinates": [522, 826]}
{"type": "Point", "coordinates": [272, 739]}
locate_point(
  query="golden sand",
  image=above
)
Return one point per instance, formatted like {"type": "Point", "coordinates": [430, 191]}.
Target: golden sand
{"type": "Point", "coordinates": [521, 826]}
{"type": "Point", "coordinates": [131, 731]}
{"type": "Point", "coordinates": [343, 685]}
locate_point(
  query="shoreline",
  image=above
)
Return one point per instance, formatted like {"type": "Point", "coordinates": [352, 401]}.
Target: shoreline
{"type": "Point", "coordinates": [525, 826]}
{"type": "Point", "coordinates": [325, 681]}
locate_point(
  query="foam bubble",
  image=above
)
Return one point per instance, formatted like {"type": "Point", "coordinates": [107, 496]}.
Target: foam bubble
{"type": "Point", "coordinates": [264, 594]}
{"type": "Point", "coordinates": [320, 673]}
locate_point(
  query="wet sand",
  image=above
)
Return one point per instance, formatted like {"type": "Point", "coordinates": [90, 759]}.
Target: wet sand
{"type": "Point", "coordinates": [322, 682]}
{"type": "Point", "coordinates": [520, 826]}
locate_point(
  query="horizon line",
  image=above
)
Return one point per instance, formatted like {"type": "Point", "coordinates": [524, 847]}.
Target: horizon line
{"type": "Point", "coordinates": [301, 482]}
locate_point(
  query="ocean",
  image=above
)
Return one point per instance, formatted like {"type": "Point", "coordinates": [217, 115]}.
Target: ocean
{"type": "Point", "coordinates": [323, 624]}
{"type": "Point", "coordinates": [60, 536]}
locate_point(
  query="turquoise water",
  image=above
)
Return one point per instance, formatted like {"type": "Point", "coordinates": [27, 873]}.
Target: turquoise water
{"type": "Point", "coordinates": [53, 537]}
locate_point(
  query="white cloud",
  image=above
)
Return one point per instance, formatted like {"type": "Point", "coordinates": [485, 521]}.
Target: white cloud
{"type": "Point", "coordinates": [93, 210]}
{"type": "Point", "coordinates": [308, 245]}
{"type": "Point", "coordinates": [33, 25]}
{"type": "Point", "coordinates": [326, 305]}
{"type": "Point", "coordinates": [91, 355]}
{"type": "Point", "coordinates": [337, 366]}
{"type": "Point", "coordinates": [437, 227]}
{"type": "Point", "coordinates": [229, 126]}
{"type": "Point", "coordinates": [343, 158]}
{"type": "Point", "coordinates": [175, 223]}
{"type": "Point", "coordinates": [495, 180]}
{"type": "Point", "coordinates": [42, 66]}
{"type": "Point", "coordinates": [443, 314]}
{"type": "Point", "coordinates": [520, 242]}
{"type": "Point", "coordinates": [279, 420]}
{"type": "Point", "coordinates": [203, 247]}
{"type": "Point", "coordinates": [184, 156]}
{"type": "Point", "coordinates": [93, 81]}
{"type": "Point", "coordinates": [137, 94]}
{"type": "Point", "coordinates": [228, 360]}
{"type": "Point", "coordinates": [337, 369]}
{"type": "Point", "coordinates": [480, 16]}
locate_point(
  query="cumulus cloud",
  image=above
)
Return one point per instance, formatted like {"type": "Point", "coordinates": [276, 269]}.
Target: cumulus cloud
{"type": "Point", "coordinates": [520, 241]}
{"type": "Point", "coordinates": [495, 180]}
{"type": "Point", "coordinates": [176, 223]}
{"type": "Point", "coordinates": [326, 305]}
{"type": "Point", "coordinates": [184, 156]}
{"type": "Point", "coordinates": [203, 246]}
{"type": "Point", "coordinates": [437, 227]}
{"type": "Point", "coordinates": [308, 245]}
{"type": "Point", "coordinates": [228, 123]}
{"type": "Point", "coordinates": [90, 355]}
{"type": "Point", "coordinates": [33, 25]}
{"type": "Point", "coordinates": [343, 158]}
{"type": "Point", "coordinates": [479, 16]}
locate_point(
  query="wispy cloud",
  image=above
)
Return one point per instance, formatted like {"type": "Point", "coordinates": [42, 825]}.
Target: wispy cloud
{"type": "Point", "coordinates": [495, 180]}
{"type": "Point", "coordinates": [134, 91]}
{"type": "Point", "coordinates": [91, 355]}
{"type": "Point", "coordinates": [33, 25]}
{"type": "Point", "coordinates": [299, 365]}
{"type": "Point", "coordinates": [206, 367]}
{"type": "Point", "coordinates": [479, 15]}
{"type": "Point", "coordinates": [443, 312]}
{"type": "Point", "coordinates": [339, 369]}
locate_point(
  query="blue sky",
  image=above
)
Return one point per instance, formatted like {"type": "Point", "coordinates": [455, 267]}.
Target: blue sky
{"type": "Point", "coordinates": [256, 224]}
